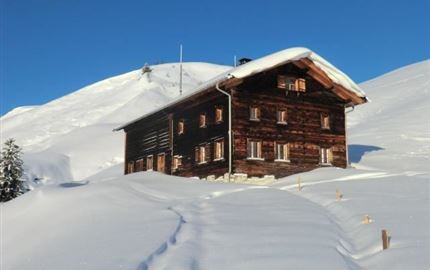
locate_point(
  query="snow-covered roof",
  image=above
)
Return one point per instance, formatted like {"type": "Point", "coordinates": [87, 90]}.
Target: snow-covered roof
{"type": "Point", "coordinates": [265, 63]}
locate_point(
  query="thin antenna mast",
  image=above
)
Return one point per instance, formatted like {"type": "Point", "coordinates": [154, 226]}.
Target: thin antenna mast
{"type": "Point", "coordinates": [180, 70]}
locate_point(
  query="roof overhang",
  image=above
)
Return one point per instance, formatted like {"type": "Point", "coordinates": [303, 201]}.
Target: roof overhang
{"type": "Point", "coordinates": [317, 67]}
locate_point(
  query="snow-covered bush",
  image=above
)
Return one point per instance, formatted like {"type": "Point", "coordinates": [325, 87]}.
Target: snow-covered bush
{"type": "Point", "coordinates": [11, 169]}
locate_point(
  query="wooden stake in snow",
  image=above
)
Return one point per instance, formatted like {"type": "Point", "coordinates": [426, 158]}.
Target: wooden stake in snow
{"type": "Point", "coordinates": [366, 219]}
{"type": "Point", "coordinates": [385, 239]}
{"type": "Point", "coordinates": [299, 183]}
{"type": "Point", "coordinates": [339, 195]}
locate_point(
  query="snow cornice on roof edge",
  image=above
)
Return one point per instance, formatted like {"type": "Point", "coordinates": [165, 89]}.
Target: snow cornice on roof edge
{"type": "Point", "coordinates": [268, 62]}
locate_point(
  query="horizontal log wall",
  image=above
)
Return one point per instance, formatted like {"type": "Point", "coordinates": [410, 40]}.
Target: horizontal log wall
{"type": "Point", "coordinates": [149, 137]}
{"type": "Point", "coordinates": [303, 131]}
{"type": "Point", "coordinates": [193, 136]}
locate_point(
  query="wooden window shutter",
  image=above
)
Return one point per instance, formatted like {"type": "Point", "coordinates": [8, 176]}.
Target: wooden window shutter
{"type": "Point", "coordinates": [207, 152]}
{"type": "Point", "coordinates": [286, 152]}
{"type": "Point", "coordinates": [196, 153]}
{"type": "Point", "coordinates": [258, 149]}
{"type": "Point", "coordinates": [330, 155]}
{"type": "Point", "coordinates": [301, 85]}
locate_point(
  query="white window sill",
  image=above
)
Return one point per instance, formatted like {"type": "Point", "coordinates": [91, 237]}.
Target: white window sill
{"type": "Point", "coordinates": [283, 160]}
{"type": "Point", "coordinates": [203, 126]}
{"type": "Point", "coordinates": [282, 123]}
{"type": "Point", "coordinates": [219, 159]}
{"type": "Point", "coordinates": [254, 120]}
{"type": "Point", "coordinates": [326, 164]}
{"type": "Point", "coordinates": [201, 163]}
{"type": "Point", "coordinates": [150, 170]}
{"type": "Point", "coordinates": [255, 158]}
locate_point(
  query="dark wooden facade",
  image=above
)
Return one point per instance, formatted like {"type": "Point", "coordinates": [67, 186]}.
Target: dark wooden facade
{"type": "Point", "coordinates": [158, 134]}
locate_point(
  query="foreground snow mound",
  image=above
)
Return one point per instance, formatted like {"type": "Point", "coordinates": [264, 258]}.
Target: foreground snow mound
{"type": "Point", "coordinates": [79, 126]}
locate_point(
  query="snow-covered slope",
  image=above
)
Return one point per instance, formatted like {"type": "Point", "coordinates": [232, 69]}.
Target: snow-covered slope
{"type": "Point", "coordinates": [73, 134]}
{"type": "Point", "coordinates": [396, 120]}
{"type": "Point", "coordinates": [153, 221]}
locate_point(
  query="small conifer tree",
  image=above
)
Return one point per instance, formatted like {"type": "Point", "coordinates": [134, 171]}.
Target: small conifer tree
{"type": "Point", "coordinates": [11, 170]}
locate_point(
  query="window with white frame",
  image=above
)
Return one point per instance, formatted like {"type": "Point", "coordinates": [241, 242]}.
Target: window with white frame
{"type": "Point", "coordinates": [181, 126]}
{"type": "Point", "coordinates": [291, 83]}
{"type": "Point", "coordinates": [202, 120]}
{"type": "Point", "coordinates": [219, 149]}
{"type": "Point", "coordinates": [201, 155]}
{"type": "Point", "coordinates": [254, 149]}
{"type": "Point", "coordinates": [325, 121]}
{"type": "Point", "coordinates": [326, 156]}
{"type": "Point", "coordinates": [282, 152]}
{"type": "Point", "coordinates": [282, 117]}
{"type": "Point", "coordinates": [254, 113]}
{"type": "Point", "coordinates": [149, 163]}
{"type": "Point", "coordinates": [177, 162]}
{"type": "Point", "coordinates": [218, 115]}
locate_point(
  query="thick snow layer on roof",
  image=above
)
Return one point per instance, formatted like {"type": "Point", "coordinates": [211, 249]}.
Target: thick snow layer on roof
{"type": "Point", "coordinates": [262, 64]}
{"type": "Point", "coordinates": [293, 54]}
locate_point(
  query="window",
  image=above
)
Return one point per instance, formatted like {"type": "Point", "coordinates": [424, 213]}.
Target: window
{"type": "Point", "coordinates": [161, 158]}
{"type": "Point", "coordinates": [291, 83]}
{"type": "Point", "coordinates": [202, 154]}
{"type": "Point", "coordinates": [219, 150]}
{"type": "Point", "coordinates": [130, 167]}
{"type": "Point", "coordinates": [282, 152]}
{"type": "Point", "coordinates": [177, 162]}
{"type": "Point", "coordinates": [149, 163]}
{"type": "Point", "coordinates": [282, 117]}
{"type": "Point", "coordinates": [254, 149]}
{"type": "Point", "coordinates": [326, 156]}
{"type": "Point", "coordinates": [218, 115]}
{"type": "Point", "coordinates": [181, 127]}
{"type": "Point", "coordinates": [325, 121]}
{"type": "Point", "coordinates": [254, 113]}
{"type": "Point", "coordinates": [202, 120]}
{"type": "Point", "coordinates": [139, 165]}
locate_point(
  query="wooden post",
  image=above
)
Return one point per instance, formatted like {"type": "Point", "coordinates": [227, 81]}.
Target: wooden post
{"type": "Point", "coordinates": [366, 219]}
{"type": "Point", "coordinates": [299, 183]}
{"type": "Point", "coordinates": [385, 239]}
{"type": "Point", "coordinates": [339, 195]}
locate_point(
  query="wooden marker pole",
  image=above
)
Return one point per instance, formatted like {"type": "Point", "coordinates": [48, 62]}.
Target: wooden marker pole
{"type": "Point", "coordinates": [385, 239]}
{"type": "Point", "coordinates": [299, 183]}
{"type": "Point", "coordinates": [339, 195]}
{"type": "Point", "coordinates": [366, 219]}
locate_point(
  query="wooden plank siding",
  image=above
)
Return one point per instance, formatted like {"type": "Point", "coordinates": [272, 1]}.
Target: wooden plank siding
{"type": "Point", "coordinates": [158, 133]}
{"type": "Point", "coordinates": [303, 130]}
{"type": "Point", "coordinates": [184, 144]}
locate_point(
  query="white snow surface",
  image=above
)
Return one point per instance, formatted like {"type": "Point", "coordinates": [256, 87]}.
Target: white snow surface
{"type": "Point", "coordinates": [79, 126]}
{"type": "Point", "coordinates": [154, 221]}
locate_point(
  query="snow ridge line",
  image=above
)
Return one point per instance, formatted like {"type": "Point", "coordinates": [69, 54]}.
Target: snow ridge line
{"type": "Point", "coordinates": [172, 240]}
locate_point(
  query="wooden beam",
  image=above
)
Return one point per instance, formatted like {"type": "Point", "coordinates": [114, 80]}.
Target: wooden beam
{"type": "Point", "coordinates": [231, 82]}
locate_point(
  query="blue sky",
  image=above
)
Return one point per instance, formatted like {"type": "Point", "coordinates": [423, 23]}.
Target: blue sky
{"type": "Point", "coordinates": [53, 47]}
